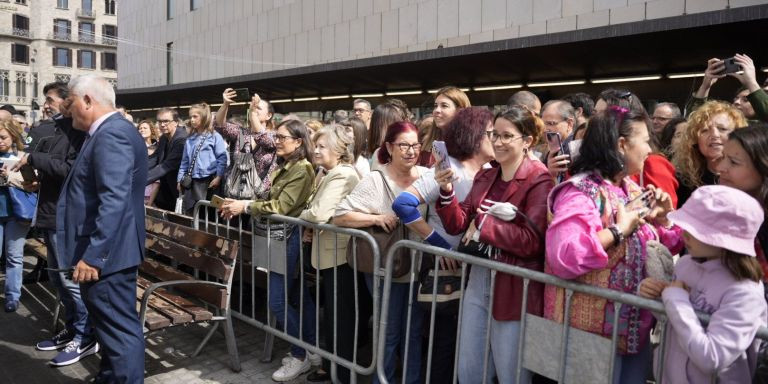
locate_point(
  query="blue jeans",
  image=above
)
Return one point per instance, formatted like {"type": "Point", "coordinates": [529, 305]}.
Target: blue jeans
{"type": "Point", "coordinates": [14, 234]}
{"type": "Point", "coordinates": [69, 292]}
{"type": "Point", "coordinates": [397, 323]}
{"type": "Point", "coordinates": [503, 338]}
{"type": "Point", "coordinates": [277, 297]}
{"type": "Point", "coordinates": [632, 369]}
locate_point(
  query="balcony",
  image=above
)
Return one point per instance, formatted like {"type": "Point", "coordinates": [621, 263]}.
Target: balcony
{"type": "Point", "coordinates": [86, 38]}
{"type": "Point", "coordinates": [109, 40]}
{"type": "Point", "coordinates": [85, 13]}
{"type": "Point", "coordinates": [22, 32]}
{"type": "Point", "coordinates": [60, 36]}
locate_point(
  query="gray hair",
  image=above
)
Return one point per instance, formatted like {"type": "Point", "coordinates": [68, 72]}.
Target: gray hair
{"type": "Point", "coordinates": [96, 87]}
{"type": "Point", "coordinates": [364, 101]}
{"type": "Point", "coordinates": [340, 141]}
{"type": "Point", "coordinates": [339, 116]}
{"type": "Point", "coordinates": [672, 107]}
{"type": "Point", "coordinates": [563, 108]}
{"type": "Point", "coordinates": [524, 98]}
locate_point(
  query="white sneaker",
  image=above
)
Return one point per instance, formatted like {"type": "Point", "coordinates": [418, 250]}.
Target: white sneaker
{"type": "Point", "coordinates": [314, 359]}
{"type": "Point", "coordinates": [291, 369]}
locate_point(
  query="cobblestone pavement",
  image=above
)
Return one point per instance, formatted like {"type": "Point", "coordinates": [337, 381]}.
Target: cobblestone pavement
{"type": "Point", "coordinates": [167, 355]}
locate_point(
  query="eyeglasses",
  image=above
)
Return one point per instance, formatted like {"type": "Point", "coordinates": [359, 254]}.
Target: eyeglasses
{"type": "Point", "coordinates": [505, 138]}
{"type": "Point", "coordinates": [281, 138]}
{"type": "Point", "coordinates": [361, 110]}
{"type": "Point", "coordinates": [552, 123]}
{"type": "Point", "coordinates": [404, 147]}
{"type": "Point", "coordinates": [164, 121]}
{"type": "Point", "coordinates": [661, 118]}
{"type": "Point", "coordinates": [489, 134]}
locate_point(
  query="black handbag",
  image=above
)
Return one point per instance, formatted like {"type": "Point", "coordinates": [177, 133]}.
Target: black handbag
{"type": "Point", "coordinates": [186, 180]}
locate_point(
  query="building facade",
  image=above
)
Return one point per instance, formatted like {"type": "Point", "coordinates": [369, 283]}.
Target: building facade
{"type": "Point", "coordinates": [49, 40]}
{"type": "Point", "coordinates": [186, 49]}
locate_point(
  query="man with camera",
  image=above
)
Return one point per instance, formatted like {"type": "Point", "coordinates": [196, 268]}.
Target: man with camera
{"type": "Point", "coordinates": [750, 98]}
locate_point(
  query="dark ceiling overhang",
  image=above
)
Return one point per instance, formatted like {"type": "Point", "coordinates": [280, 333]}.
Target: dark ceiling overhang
{"type": "Point", "coordinates": [664, 46]}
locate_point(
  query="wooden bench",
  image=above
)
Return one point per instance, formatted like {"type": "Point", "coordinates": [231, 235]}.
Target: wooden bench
{"type": "Point", "coordinates": [186, 278]}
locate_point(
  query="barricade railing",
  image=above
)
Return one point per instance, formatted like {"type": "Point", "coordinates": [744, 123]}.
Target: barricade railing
{"type": "Point", "coordinates": [563, 343]}
{"type": "Point", "coordinates": [268, 255]}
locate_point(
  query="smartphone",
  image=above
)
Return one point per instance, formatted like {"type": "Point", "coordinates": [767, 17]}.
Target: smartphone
{"type": "Point", "coordinates": [242, 95]}
{"type": "Point", "coordinates": [555, 143]}
{"type": "Point", "coordinates": [731, 66]}
{"type": "Point", "coordinates": [28, 173]}
{"type": "Point", "coordinates": [641, 201]}
{"type": "Point", "coordinates": [440, 153]}
{"type": "Point", "coordinates": [217, 201]}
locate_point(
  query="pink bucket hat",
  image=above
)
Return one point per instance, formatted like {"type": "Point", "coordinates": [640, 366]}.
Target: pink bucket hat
{"type": "Point", "coordinates": [722, 217]}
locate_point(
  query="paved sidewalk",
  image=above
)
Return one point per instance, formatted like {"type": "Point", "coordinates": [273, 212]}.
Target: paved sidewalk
{"type": "Point", "coordinates": [167, 352]}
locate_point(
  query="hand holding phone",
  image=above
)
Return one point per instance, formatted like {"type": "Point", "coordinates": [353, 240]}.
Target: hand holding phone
{"type": "Point", "coordinates": [730, 66]}
{"type": "Point", "coordinates": [217, 201]}
{"type": "Point", "coordinates": [643, 201]}
{"type": "Point", "coordinates": [28, 173]}
{"type": "Point", "coordinates": [242, 95]}
{"type": "Point", "coordinates": [555, 143]}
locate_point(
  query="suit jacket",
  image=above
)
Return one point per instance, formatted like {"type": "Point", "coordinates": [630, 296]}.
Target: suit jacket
{"type": "Point", "coordinates": [169, 154]}
{"type": "Point", "coordinates": [518, 242]}
{"type": "Point", "coordinates": [328, 248]}
{"type": "Point", "coordinates": [52, 159]}
{"type": "Point", "coordinates": [100, 213]}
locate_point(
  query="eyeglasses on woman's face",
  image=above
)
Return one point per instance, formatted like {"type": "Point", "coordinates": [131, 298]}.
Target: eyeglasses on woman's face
{"type": "Point", "coordinates": [505, 138]}
{"type": "Point", "coordinates": [281, 138]}
{"type": "Point", "coordinates": [404, 147]}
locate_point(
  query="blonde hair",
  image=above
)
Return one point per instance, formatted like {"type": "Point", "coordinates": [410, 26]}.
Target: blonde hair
{"type": "Point", "coordinates": [459, 99]}
{"type": "Point", "coordinates": [14, 130]}
{"type": "Point", "coordinates": [340, 142]}
{"type": "Point", "coordinates": [205, 118]}
{"type": "Point", "coordinates": [314, 125]}
{"type": "Point", "coordinates": [688, 160]}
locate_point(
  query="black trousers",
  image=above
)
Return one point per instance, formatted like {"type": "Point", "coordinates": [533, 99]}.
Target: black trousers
{"type": "Point", "coordinates": [345, 316]}
{"type": "Point", "coordinates": [198, 191]}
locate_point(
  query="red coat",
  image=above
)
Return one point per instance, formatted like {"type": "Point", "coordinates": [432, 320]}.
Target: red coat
{"type": "Point", "coordinates": [520, 245]}
{"type": "Point", "coordinates": [657, 170]}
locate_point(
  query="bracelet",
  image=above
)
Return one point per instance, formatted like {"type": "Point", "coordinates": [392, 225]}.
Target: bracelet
{"type": "Point", "coordinates": [618, 236]}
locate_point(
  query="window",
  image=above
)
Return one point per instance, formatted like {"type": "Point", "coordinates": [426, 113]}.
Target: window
{"type": "Point", "coordinates": [21, 84]}
{"type": "Point", "coordinates": [62, 4]}
{"type": "Point", "coordinates": [62, 57]}
{"type": "Point", "coordinates": [169, 9]}
{"type": "Point", "coordinates": [86, 32]}
{"type": "Point", "coordinates": [88, 6]}
{"type": "Point", "coordinates": [86, 59]}
{"type": "Point", "coordinates": [169, 63]}
{"type": "Point", "coordinates": [22, 2]}
{"type": "Point", "coordinates": [109, 7]}
{"type": "Point", "coordinates": [35, 84]}
{"type": "Point", "coordinates": [20, 25]}
{"type": "Point", "coordinates": [194, 4]}
{"type": "Point", "coordinates": [4, 85]}
{"type": "Point", "coordinates": [19, 53]}
{"type": "Point", "coordinates": [109, 61]}
{"type": "Point", "coordinates": [109, 34]}
{"type": "Point", "coordinates": [61, 29]}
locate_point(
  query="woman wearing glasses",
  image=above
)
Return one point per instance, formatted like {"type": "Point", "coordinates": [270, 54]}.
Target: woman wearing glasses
{"type": "Point", "coordinates": [292, 184]}
{"type": "Point", "coordinates": [701, 147]}
{"type": "Point", "coordinates": [517, 186]}
{"type": "Point", "coordinates": [370, 204]}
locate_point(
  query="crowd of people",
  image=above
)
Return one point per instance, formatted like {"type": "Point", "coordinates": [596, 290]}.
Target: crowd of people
{"type": "Point", "coordinates": [599, 191]}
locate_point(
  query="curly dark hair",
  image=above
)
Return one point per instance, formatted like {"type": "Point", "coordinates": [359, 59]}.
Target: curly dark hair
{"type": "Point", "coordinates": [465, 132]}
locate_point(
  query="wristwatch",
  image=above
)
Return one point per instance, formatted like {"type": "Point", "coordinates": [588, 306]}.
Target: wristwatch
{"type": "Point", "coordinates": [618, 236]}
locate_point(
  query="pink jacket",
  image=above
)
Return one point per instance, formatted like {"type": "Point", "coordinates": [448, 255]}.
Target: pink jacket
{"type": "Point", "coordinates": [727, 346]}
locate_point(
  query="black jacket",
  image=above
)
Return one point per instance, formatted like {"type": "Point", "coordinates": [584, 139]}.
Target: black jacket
{"type": "Point", "coordinates": [169, 154]}
{"type": "Point", "coordinates": [53, 158]}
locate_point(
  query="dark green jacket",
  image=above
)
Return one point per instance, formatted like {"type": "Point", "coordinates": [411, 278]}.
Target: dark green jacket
{"type": "Point", "coordinates": [291, 187]}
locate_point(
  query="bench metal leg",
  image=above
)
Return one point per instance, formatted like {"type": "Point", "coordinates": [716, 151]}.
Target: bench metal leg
{"type": "Point", "coordinates": [205, 339]}
{"type": "Point", "coordinates": [269, 339]}
{"type": "Point", "coordinates": [56, 313]}
{"type": "Point", "coordinates": [229, 331]}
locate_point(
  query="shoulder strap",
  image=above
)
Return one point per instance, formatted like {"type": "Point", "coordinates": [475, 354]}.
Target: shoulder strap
{"type": "Point", "coordinates": [196, 153]}
{"type": "Point", "coordinates": [386, 185]}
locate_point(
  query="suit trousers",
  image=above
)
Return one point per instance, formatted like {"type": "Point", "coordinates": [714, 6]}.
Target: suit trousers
{"type": "Point", "coordinates": [111, 303]}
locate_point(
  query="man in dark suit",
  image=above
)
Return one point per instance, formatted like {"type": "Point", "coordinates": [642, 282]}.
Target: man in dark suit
{"type": "Point", "coordinates": [171, 150]}
{"type": "Point", "coordinates": [100, 225]}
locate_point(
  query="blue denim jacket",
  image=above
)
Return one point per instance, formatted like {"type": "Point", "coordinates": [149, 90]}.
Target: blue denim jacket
{"type": "Point", "coordinates": [212, 159]}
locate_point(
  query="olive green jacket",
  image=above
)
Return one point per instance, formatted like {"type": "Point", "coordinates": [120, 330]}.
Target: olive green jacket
{"type": "Point", "coordinates": [758, 99]}
{"type": "Point", "coordinates": [291, 187]}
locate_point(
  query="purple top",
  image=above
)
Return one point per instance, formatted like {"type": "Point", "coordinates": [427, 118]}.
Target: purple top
{"type": "Point", "coordinates": [727, 346]}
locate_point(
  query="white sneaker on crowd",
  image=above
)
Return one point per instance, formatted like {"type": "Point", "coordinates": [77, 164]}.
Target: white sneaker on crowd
{"type": "Point", "coordinates": [314, 359]}
{"type": "Point", "coordinates": [291, 369]}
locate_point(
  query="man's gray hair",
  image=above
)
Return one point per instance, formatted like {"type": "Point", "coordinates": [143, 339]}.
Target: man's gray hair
{"type": "Point", "coordinates": [364, 101]}
{"type": "Point", "coordinates": [672, 107]}
{"type": "Point", "coordinates": [97, 87]}
{"type": "Point", "coordinates": [523, 98]}
{"type": "Point", "coordinates": [562, 107]}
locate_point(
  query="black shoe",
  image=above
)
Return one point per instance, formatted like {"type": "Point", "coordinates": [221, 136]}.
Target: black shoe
{"type": "Point", "coordinates": [317, 377]}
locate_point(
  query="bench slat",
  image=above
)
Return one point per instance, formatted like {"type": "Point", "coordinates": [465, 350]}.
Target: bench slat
{"type": "Point", "coordinates": [209, 294]}
{"type": "Point", "coordinates": [197, 312]}
{"type": "Point", "coordinates": [152, 319]}
{"type": "Point", "coordinates": [192, 257]}
{"type": "Point", "coordinates": [215, 246]}
{"type": "Point", "coordinates": [166, 309]}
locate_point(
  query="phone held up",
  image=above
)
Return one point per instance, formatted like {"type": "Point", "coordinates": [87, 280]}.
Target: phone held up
{"type": "Point", "coordinates": [440, 153]}
{"type": "Point", "coordinates": [555, 143]}
{"type": "Point", "coordinates": [730, 66]}
{"type": "Point", "coordinates": [242, 95]}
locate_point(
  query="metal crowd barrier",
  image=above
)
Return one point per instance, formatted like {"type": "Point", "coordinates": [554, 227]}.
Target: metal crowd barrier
{"type": "Point", "coordinates": [532, 348]}
{"type": "Point", "coordinates": [261, 260]}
